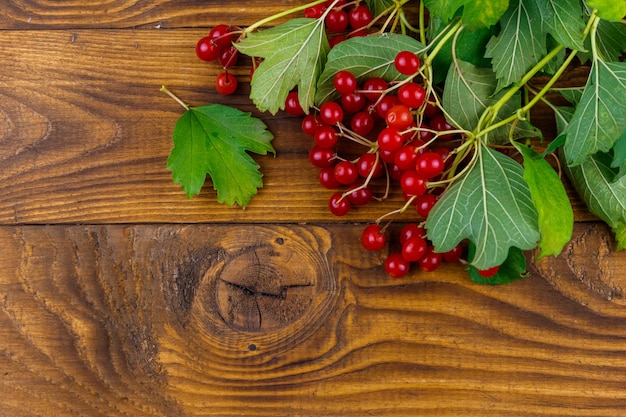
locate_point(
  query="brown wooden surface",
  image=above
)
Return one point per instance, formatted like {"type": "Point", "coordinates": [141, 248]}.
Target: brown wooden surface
{"type": "Point", "coordinates": [120, 297]}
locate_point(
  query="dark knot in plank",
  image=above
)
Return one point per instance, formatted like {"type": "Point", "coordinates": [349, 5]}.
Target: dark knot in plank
{"type": "Point", "coordinates": [266, 286]}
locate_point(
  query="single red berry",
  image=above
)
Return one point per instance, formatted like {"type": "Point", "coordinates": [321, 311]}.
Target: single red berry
{"type": "Point", "coordinates": [362, 123]}
{"type": "Point", "coordinates": [412, 94]}
{"type": "Point", "coordinates": [338, 205]}
{"type": "Point", "coordinates": [439, 124]}
{"type": "Point", "coordinates": [405, 157]}
{"type": "Point", "coordinates": [292, 104]}
{"type": "Point", "coordinates": [368, 165]}
{"type": "Point", "coordinates": [310, 123]}
{"type": "Point", "coordinates": [346, 172]}
{"type": "Point", "coordinates": [315, 12]}
{"type": "Point", "coordinates": [411, 230]}
{"type": "Point", "coordinates": [228, 57]}
{"type": "Point", "coordinates": [385, 104]}
{"type": "Point", "coordinates": [353, 103]}
{"type": "Point", "coordinates": [360, 195]}
{"type": "Point", "coordinates": [221, 35]}
{"type": "Point", "coordinates": [336, 20]}
{"type": "Point", "coordinates": [373, 237]}
{"type": "Point", "coordinates": [389, 139]}
{"type": "Point", "coordinates": [429, 165]}
{"type": "Point", "coordinates": [489, 272]}
{"type": "Point", "coordinates": [374, 87]}
{"type": "Point", "coordinates": [335, 40]}
{"type": "Point", "coordinates": [430, 261]}
{"type": "Point", "coordinates": [387, 156]}
{"type": "Point", "coordinates": [396, 266]}
{"type": "Point", "coordinates": [425, 203]}
{"type": "Point", "coordinates": [407, 63]}
{"type": "Point", "coordinates": [331, 113]}
{"type": "Point", "coordinates": [412, 183]}
{"type": "Point", "coordinates": [414, 249]}
{"type": "Point", "coordinates": [321, 158]}
{"type": "Point", "coordinates": [360, 16]}
{"type": "Point", "coordinates": [430, 110]}
{"type": "Point", "coordinates": [453, 255]}
{"type": "Point", "coordinates": [399, 117]}
{"type": "Point", "coordinates": [207, 50]}
{"type": "Point", "coordinates": [226, 83]}
{"type": "Point", "coordinates": [325, 136]}
{"type": "Point", "coordinates": [345, 82]}
{"type": "Point", "coordinates": [327, 178]}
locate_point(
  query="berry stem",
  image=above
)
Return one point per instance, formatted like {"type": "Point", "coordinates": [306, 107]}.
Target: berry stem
{"type": "Point", "coordinates": [490, 113]}
{"type": "Point", "coordinates": [164, 89]}
{"type": "Point", "coordinates": [284, 13]}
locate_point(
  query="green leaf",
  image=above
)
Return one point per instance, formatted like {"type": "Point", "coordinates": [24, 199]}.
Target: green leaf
{"type": "Point", "coordinates": [610, 42]}
{"type": "Point", "coordinates": [619, 155]}
{"type": "Point", "coordinates": [365, 57]}
{"type": "Point", "coordinates": [563, 19]}
{"type": "Point", "coordinates": [294, 54]}
{"type": "Point", "coordinates": [612, 10]}
{"type": "Point", "coordinates": [555, 214]}
{"type": "Point", "coordinates": [571, 94]}
{"type": "Point", "coordinates": [600, 117]}
{"type": "Point", "coordinates": [491, 206]}
{"type": "Point", "coordinates": [379, 6]}
{"type": "Point", "coordinates": [512, 269]}
{"type": "Point", "coordinates": [470, 47]}
{"type": "Point", "coordinates": [476, 13]}
{"type": "Point", "coordinates": [213, 140]}
{"type": "Point", "coordinates": [605, 196]}
{"type": "Point", "coordinates": [555, 63]}
{"type": "Point", "coordinates": [519, 45]}
{"type": "Point", "coordinates": [469, 91]}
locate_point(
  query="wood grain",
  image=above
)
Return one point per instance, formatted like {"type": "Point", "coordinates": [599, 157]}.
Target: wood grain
{"type": "Point", "coordinates": [120, 297]}
{"type": "Point", "coordinates": [126, 14]}
{"type": "Point", "coordinates": [85, 137]}
{"type": "Point", "coordinates": [142, 320]}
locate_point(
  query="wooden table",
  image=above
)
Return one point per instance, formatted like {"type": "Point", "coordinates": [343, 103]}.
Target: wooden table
{"type": "Point", "coordinates": [120, 297]}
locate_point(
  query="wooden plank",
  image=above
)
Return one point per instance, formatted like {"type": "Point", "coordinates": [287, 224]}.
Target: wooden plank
{"type": "Point", "coordinates": [120, 14]}
{"type": "Point", "coordinates": [85, 134]}
{"type": "Point", "coordinates": [271, 320]}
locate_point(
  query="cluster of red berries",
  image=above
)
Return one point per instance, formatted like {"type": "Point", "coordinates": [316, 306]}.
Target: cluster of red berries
{"type": "Point", "coordinates": [408, 141]}
{"type": "Point", "coordinates": [218, 46]}
{"type": "Point", "coordinates": [344, 21]}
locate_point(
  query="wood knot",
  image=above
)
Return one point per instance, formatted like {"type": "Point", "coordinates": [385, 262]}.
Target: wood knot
{"type": "Point", "coordinates": [269, 284]}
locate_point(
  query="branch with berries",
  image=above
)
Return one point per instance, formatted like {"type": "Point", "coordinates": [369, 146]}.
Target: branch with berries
{"type": "Point", "coordinates": [438, 110]}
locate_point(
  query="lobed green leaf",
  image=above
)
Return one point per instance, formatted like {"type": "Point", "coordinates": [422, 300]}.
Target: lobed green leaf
{"type": "Point", "coordinates": [603, 193]}
{"type": "Point", "coordinates": [213, 140]}
{"type": "Point", "coordinates": [600, 116]}
{"type": "Point", "coordinates": [519, 45]}
{"type": "Point", "coordinates": [365, 57]}
{"type": "Point", "coordinates": [491, 206]}
{"type": "Point", "coordinates": [293, 55]}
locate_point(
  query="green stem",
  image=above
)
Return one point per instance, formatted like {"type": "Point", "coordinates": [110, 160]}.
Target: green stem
{"type": "Point", "coordinates": [172, 95]}
{"type": "Point", "coordinates": [491, 112]}
{"type": "Point", "coordinates": [441, 42]}
{"type": "Point", "coordinates": [422, 20]}
{"type": "Point", "coordinates": [284, 13]}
